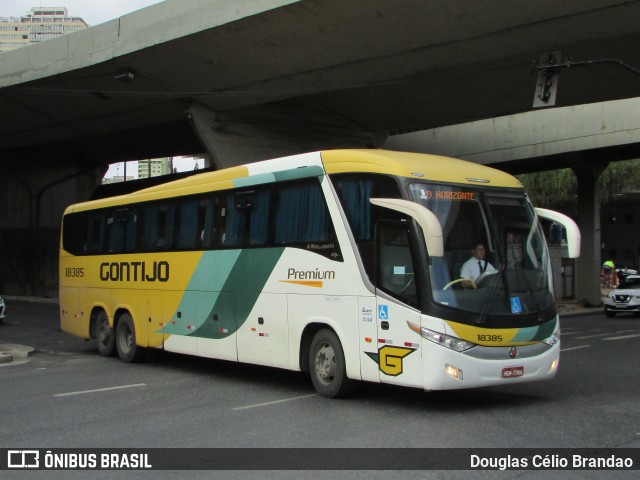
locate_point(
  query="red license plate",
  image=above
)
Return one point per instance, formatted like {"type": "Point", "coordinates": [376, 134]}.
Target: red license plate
{"type": "Point", "coordinates": [511, 372]}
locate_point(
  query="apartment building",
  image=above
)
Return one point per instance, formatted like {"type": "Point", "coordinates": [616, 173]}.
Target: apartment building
{"type": "Point", "coordinates": [38, 25]}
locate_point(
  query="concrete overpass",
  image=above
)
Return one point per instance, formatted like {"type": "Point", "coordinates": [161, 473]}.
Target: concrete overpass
{"type": "Point", "coordinates": [254, 79]}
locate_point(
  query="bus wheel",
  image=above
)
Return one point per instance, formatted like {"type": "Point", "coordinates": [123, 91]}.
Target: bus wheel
{"type": "Point", "coordinates": [128, 351]}
{"type": "Point", "coordinates": [327, 365]}
{"type": "Point", "coordinates": [105, 336]}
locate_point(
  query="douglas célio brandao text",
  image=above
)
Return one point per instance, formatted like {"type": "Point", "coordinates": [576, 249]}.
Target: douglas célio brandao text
{"type": "Point", "coordinates": [550, 461]}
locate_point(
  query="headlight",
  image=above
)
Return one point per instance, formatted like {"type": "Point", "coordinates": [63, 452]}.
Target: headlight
{"type": "Point", "coordinates": [448, 341]}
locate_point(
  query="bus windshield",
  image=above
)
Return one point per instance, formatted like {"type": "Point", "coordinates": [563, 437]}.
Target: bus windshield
{"type": "Point", "coordinates": [513, 277]}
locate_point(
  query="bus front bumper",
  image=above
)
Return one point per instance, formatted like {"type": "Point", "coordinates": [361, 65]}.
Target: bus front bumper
{"type": "Point", "coordinates": [445, 369]}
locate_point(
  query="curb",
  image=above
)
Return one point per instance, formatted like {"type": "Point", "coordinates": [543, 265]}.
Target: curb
{"type": "Point", "coordinates": [10, 352]}
{"type": "Point", "coordinates": [5, 358]}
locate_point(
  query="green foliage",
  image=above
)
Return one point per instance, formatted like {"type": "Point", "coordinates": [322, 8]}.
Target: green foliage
{"type": "Point", "coordinates": [620, 177]}
{"type": "Point", "coordinates": [558, 188]}
{"type": "Point", "coordinates": [550, 189]}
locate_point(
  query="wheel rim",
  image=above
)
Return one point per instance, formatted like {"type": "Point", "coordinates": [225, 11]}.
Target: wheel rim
{"type": "Point", "coordinates": [325, 364]}
{"type": "Point", "coordinates": [125, 339]}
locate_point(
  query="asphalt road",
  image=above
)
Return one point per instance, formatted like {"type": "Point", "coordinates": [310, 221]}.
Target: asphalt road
{"type": "Point", "coordinates": [66, 395]}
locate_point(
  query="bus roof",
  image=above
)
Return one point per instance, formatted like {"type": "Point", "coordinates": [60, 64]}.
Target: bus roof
{"type": "Point", "coordinates": [404, 164]}
{"type": "Point", "coordinates": [416, 165]}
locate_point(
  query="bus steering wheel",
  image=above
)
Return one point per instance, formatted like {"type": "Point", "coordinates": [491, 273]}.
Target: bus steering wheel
{"type": "Point", "coordinates": [459, 280]}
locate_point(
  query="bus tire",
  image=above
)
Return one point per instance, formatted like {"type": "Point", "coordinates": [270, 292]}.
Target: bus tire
{"type": "Point", "coordinates": [105, 336]}
{"type": "Point", "coordinates": [128, 350]}
{"type": "Point", "coordinates": [327, 365]}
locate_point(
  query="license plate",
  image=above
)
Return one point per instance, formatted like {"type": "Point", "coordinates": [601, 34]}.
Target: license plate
{"type": "Point", "coordinates": [511, 372]}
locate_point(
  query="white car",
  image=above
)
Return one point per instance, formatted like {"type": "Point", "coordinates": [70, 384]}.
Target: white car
{"type": "Point", "coordinates": [3, 309]}
{"type": "Point", "coordinates": [625, 298]}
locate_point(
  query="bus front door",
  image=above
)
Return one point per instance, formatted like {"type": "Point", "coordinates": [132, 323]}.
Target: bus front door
{"type": "Point", "coordinates": [399, 354]}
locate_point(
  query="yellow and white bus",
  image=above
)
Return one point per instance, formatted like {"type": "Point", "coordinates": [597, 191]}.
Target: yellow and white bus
{"type": "Point", "coordinates": [342, 263]}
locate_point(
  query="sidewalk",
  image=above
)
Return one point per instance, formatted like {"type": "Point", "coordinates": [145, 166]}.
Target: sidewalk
{"type": "Point", "coordinates": [575, 308]}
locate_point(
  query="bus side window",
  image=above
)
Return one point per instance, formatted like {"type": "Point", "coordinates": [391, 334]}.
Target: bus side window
{"type": "Point", "coordinates": [300, 214]}
{"type": "Point", "coordinates": [247, 218]}
{"type": "Point", "coordinates": [395, 272]}
{"type": "Point", "coordinates": [118, 229]}
{"type": "Point", "coordinates": [158, 227]}
{"type": "Point", "coordinates": [206, 215]}
{"type": "Point", "coordinates": [188, 233]}
{"type": "Point", "coordinates": [95, 233]}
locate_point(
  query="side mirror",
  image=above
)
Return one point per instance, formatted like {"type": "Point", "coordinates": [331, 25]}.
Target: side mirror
{"type": "Point", "coordinates": [573, 232]}
{"type": "Point", "coordinates": [424, 217]}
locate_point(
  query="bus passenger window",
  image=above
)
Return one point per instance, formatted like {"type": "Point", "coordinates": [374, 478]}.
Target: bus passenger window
{"type": "Point", "coordinates": [158, 227]}
{"type": "Point", "coordinates": [188, 232]}
{"type": "Point", "coordinates": [95, 233]}
{"type": "Point", "coordinates": [300, 214]}
{"type": "Point", "coordinates": [247, 218]}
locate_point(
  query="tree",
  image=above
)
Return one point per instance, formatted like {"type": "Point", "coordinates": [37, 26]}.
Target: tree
{"type": "Point", "coordinates": [558, 188]}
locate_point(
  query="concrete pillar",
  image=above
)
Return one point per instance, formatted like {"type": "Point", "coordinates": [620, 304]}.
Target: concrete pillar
{"type": "Point", "coordinates": [32, 200]}
{"type": "Point", "coordinates": [271, 132]}
{"type": "Point", "coordinates": [588, 171]}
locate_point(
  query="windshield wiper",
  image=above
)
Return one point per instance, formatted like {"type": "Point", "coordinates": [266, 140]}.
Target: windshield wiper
{"type": "Point", "coordinates": [483, 315]}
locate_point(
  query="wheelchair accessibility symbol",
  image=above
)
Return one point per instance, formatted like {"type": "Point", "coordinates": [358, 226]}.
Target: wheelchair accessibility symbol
{"type": "Point", "coordinates": [383, 312]}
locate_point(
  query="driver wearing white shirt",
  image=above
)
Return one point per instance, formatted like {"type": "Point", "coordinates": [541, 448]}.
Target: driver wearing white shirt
{"type": "Point", "coordinates": [476, 265]}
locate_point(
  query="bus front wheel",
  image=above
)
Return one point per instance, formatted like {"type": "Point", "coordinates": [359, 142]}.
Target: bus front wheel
{"type": "Point", "coordinates": [128, 350]}
{"type": "Point", "coordinates": [327, 365]}
{"type": "Point", "coordinates": [105, 336]}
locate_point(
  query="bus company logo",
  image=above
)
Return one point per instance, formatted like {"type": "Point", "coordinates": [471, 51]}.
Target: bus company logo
{"type": "Point", "coordinates": [134, 271]}
{"type": "Point", "coordinates": [23, 459]}
{"type": "Point", "coordinates": [389, 359]}
{"type": "Point", "coordinates": [309, 278]}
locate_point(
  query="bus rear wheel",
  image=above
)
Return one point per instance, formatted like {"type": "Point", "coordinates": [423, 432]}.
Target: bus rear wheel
{"type": "Point", "coordinates": [128, 350]}
{"type": "Point", "coordinates": [105, 336]}
{"type": "Point", "coordinates": [327, 365]}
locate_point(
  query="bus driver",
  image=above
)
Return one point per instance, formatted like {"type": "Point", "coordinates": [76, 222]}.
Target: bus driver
{"type": "Point", "coordinates": [476, 265]}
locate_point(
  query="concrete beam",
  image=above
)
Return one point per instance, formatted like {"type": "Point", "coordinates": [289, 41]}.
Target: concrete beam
{"type": "Point", "coordinates": [273, 132]}
{"type": "Point", "coordinates": [531, 135]}
{"type": "Point", "coordinates": [154, 25]}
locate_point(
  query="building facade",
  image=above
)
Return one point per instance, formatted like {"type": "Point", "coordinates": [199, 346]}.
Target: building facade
{"type": "Point", "coordinates": [155, 167]}
{"type": "Point", "coordinates": [39, 24]}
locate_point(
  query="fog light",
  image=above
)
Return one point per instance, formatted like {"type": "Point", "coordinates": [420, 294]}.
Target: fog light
{"type": "Point", "coordinates": [554, 365]}
{"type": "Point", "coordinates": [453, 372]}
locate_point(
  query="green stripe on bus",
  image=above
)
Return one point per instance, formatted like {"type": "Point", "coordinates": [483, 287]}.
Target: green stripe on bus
{"type": "Point", "coordinates": [535, 334]}
{"type": "Point", "coordinates": [216, 305]}
{"type": "Point", "coordinates": [282, 176]}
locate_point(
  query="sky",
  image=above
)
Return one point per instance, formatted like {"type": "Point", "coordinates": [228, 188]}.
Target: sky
{"type": "Point", "coordinates": [91, 11]}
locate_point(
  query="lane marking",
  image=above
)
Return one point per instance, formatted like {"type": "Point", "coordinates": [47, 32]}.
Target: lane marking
{"type": "Point", "coordinates": [120, 387]}
{"type": "Point", "coordinates": [623, 337]}
{"type": "Point", "coordinates": [573, 348]}
{"type": "Point", "coordinates": [563, 333]}
{"type": "Point", "coordinates": [275, 402]}
{"type": "Point", "coordinates": [592, 336]}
